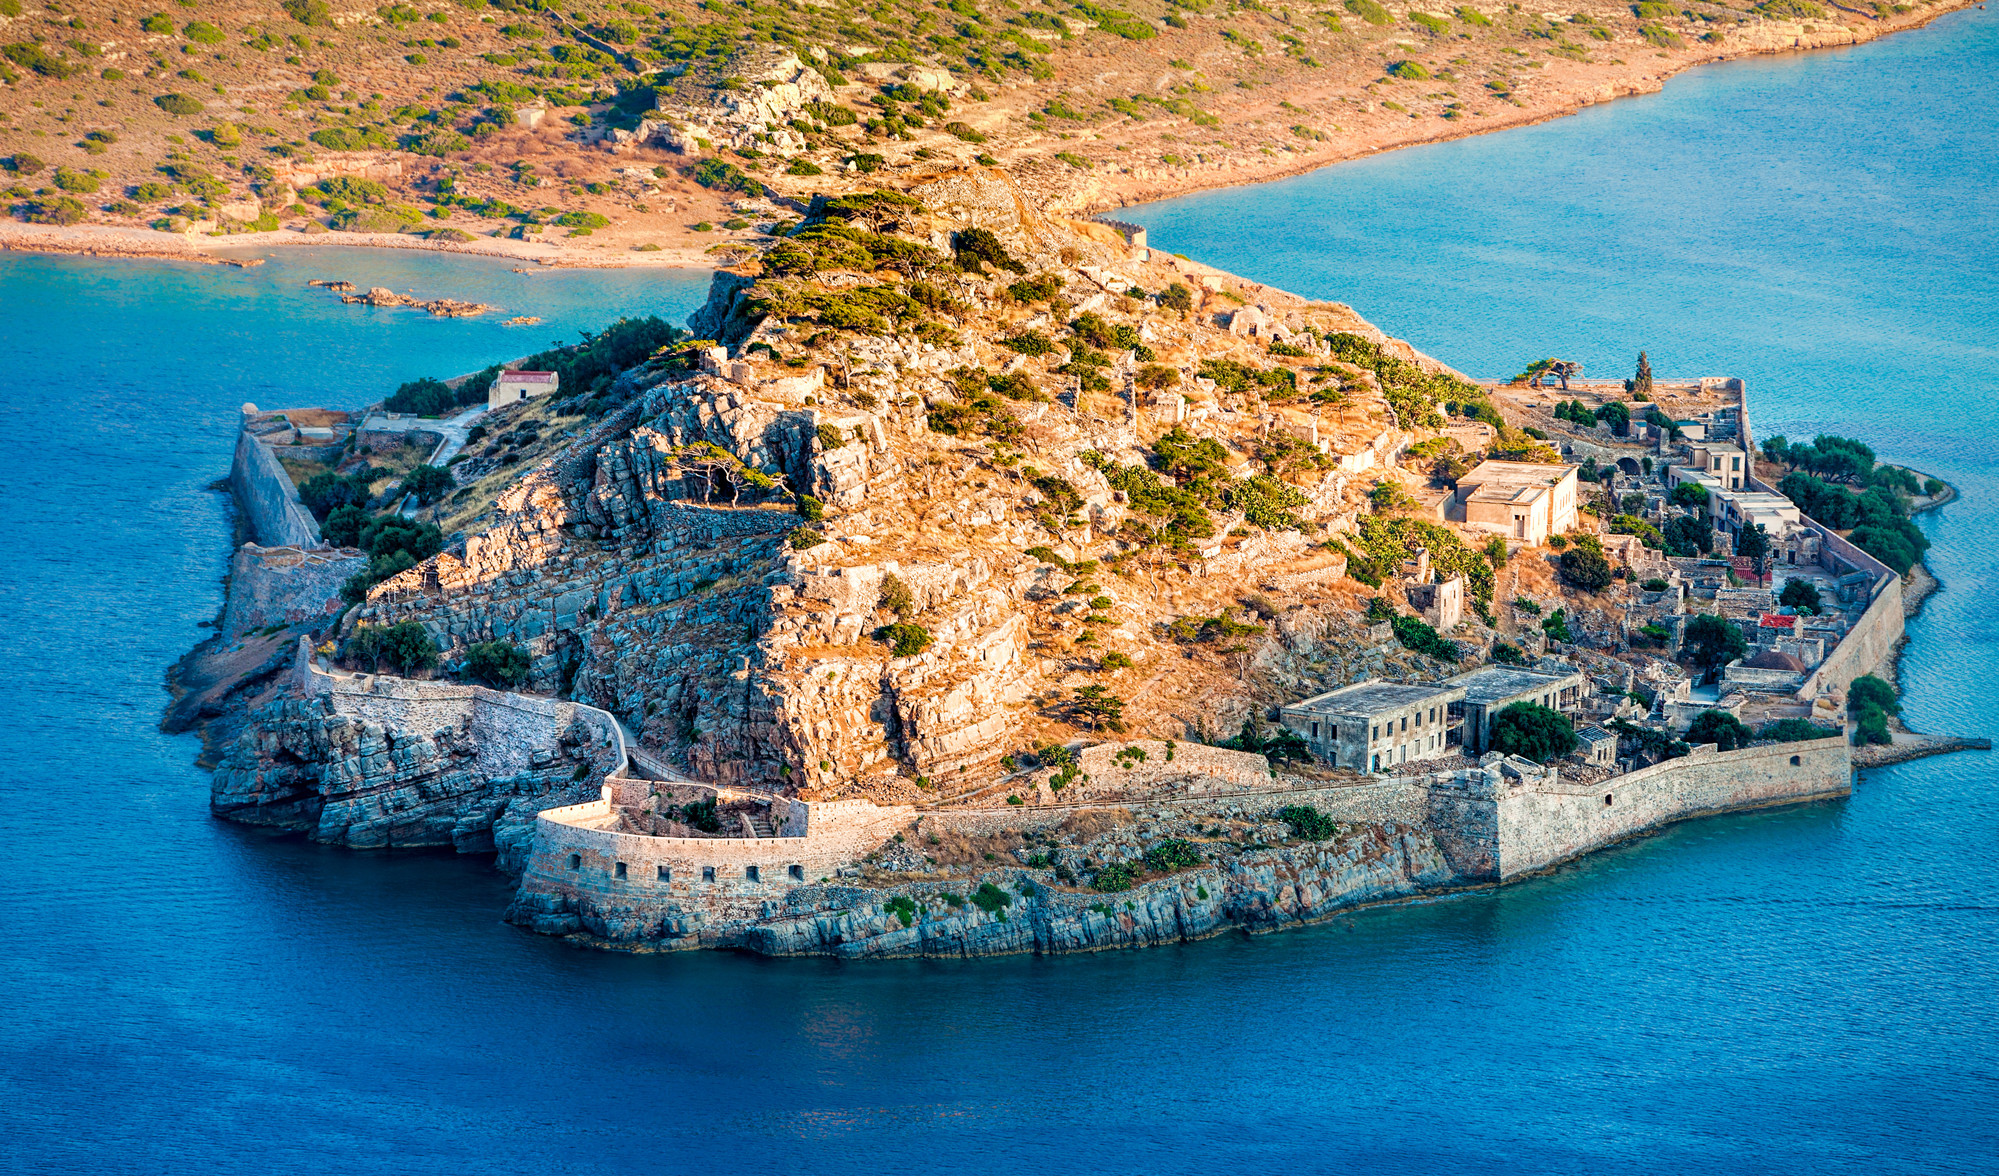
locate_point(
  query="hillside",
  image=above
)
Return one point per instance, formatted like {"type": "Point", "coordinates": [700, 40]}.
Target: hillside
{"type": "Point", "coordinates": [946, 481]}
{"type": "Point", "coordinates": [597, 131]}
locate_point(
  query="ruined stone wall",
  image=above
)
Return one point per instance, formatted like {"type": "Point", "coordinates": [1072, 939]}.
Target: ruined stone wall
{"type": "Point", "coordinates": [663, 891]}
{"type": "Point", "coordinates": [267, 498]}
{"type": "Point", "coordinates": [1539, 826]}
{"type": "Point", "coordinates": [284, 586]}
{"type": "Point", "coordinates": [374, 761]}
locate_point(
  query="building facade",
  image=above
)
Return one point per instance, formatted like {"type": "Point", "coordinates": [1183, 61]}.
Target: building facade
{"type": "Point", "coordinates": [1520, 500]}
{"type": "Point", "coordinates": [1491, 689]}
{"type": "Point", "coordinates": [1379, 726]}
{"type": "Point", "coordinates": [514, 387]}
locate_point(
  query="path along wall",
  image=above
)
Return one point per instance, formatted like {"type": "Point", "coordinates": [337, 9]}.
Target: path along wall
{"type": "Point", "coordinates": [1536, 826]}
{"type": "Point", "coordinates": [268, 499]}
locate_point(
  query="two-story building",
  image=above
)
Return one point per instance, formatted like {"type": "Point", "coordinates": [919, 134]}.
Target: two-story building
{"type": "Point", "coordinates": [1490, 689]}
{"type": "Point", "coordinates": [1519, 499]}
{"type": "Point", "coordinates": [1378, 726]}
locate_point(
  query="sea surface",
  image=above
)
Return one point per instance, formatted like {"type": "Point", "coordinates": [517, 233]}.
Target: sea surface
{"type": "Point", "coordinates": [1809, 990]}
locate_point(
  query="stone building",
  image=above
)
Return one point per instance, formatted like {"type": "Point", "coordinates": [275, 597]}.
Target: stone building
{"type": "Point", "coordinates": [1442, 603]}
{"type": "Point", "coordinates": [1596, 747]}
{"type": "Point", "coordinates": [514, 387]}
{"type": "Point", "coordinates": [1725, 463]}
{"type": "Point", "coordinates": [1378, 726]}
{"type": "Point", "coordinates": [1491, 689]}
{"type": "Point", "coordinates": [1520, 500]}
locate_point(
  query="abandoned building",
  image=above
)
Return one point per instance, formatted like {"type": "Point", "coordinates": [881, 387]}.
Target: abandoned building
{"type": "Point", "coordinates": [1520, 500]}
{"type": "Point", "coordinates": [1379, 726]}
{"type": "Point", "coordinates": [1490, 689]}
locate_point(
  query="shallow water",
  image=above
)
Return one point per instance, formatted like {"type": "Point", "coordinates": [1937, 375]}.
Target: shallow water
{"type": "Point", "coordinates": [1807, 990]}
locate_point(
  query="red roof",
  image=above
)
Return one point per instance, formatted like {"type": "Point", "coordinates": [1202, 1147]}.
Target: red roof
{"type": "Point", "coordinates": [1777, 621]}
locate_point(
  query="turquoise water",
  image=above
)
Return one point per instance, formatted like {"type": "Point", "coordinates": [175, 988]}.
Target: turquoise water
{"type": "Point", "coordinates": [1807, 990]}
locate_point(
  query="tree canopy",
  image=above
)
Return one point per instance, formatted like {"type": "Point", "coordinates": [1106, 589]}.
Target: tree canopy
{"type": "Point", "coordinates": [1533, 731]}
{"type": "Point", "coordinates": [1712, 641]}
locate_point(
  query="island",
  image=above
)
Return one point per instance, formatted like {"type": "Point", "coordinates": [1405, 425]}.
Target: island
{"type": "Point", "coordinates": [971, 579]}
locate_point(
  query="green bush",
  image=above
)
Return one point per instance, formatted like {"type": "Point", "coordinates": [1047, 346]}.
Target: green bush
{"type": "Point", "coordinates": [179, 104]}
{"type": "Point", "coordinates": [350, 138]}
{"type": "Point", "coordinates": [203, 32]}
{"type": "Point", "coordinates": [427, 397]}
{"type": "Point", "coordinates": [1870, 701]}
{"type": "Point", "coordinates": [1585, 565]}
{"type": "Point", "coordinates": [1418, 637]}
{"type": "Point", "coordinates": [904, 639]}
{"type": "Point", "coordinates": [1802, 595]}
{"type": "Point", "coordinates": [1411, 70]}
{"type": "Point", "coordinates": [428, 482]}
{"type": "Point", "coordinates": [406, 647]}
{"type": "Point", "coordinates": [1720, 728]}
{"type": "Point", "coordinates": [1711, 641]}
{"type": "Point", "coordinates": [1174, 853]}
{"type": "Point", "coordinates": [990, 899]}
{"type": "Point", "coordinates": [23, 164]}
{"type": "Point", "coordinates": [31, 56]}
{"type": "Point", "coordinates": [1308, 822]}
{"type": "Point", "coordinates": [1114, 878]}
{"type": "Point", "coordinates": [1655, 585]}
{"type": "Point", "coordinates": [497, 663]}
{"type": "Point", "coordinates": [1533, 731]}
{"type": "Point", "coordinates": [59, 210]}
{"type": "Point", "coordinates": [71, 180]}
{"type": "Point", "coordinates": [1794, 731]}
{"type": "Point", "coordinates": [1370, 12]}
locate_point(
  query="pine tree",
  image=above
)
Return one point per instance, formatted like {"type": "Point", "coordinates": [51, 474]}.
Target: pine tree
{"type": "Point", "coordinates": [1641, 384]}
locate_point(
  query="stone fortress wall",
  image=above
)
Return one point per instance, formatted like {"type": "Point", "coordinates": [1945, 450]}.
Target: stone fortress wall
{"type": "Point", "coordinates": [265, 493]}
{"type": "Point", "coordinates": [1491, 826]}
{"type": "Point", "coordinates": [1540, 826]}
{"type": "Point", "coordinates": [1880, 627]}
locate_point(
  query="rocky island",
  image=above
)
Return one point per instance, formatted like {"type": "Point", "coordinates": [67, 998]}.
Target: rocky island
{"type": "Point", "coordinates": [973, 579]}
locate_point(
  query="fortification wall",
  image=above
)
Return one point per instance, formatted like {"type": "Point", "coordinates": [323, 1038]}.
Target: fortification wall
{"type": "Point", "coordinates": [267, 498]}
{"type": "Point", "coordinates": [1864, 646]}
{"type": "Point", "coordinates": [1879, 629]}
{"type": "Point", "coordinates": [513, 733]}
{"type": "Point", "coordinates": [284, 586]}
{"type": "Point", "coordinates": [1536, 826]}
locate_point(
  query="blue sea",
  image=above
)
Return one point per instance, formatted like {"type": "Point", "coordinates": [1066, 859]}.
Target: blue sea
{"type": "Point", "coordinates": [1809, 990]}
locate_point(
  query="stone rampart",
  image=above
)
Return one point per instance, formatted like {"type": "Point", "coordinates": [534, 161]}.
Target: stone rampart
{"type": "Point", "coordinates": [1538, 825]}
{"type": "Point", "coordinates": [284, 586]}
{"type": "Point", "coordinates": [267, 498]}
{"type": "Point", "coordinates": [1879, 629]}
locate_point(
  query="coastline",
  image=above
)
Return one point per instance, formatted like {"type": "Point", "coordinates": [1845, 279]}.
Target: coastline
{"type": "Point", "coordinates": [1086, 194]}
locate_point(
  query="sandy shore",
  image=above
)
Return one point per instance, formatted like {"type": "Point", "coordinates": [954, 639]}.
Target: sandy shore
{"type": "Point", "coordinates": [119, 241]}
